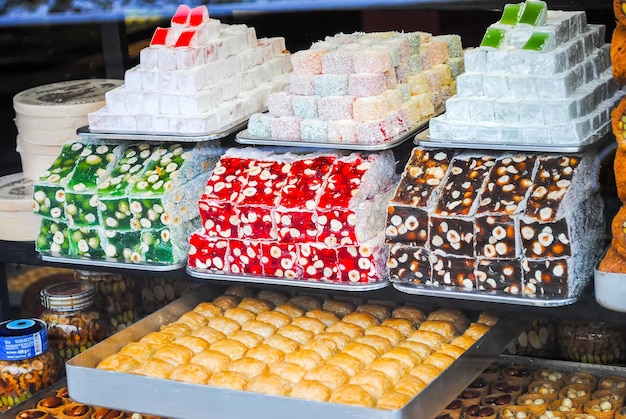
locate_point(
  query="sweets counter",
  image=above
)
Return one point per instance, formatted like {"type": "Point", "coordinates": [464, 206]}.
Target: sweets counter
{"type": "Point", "coordinates": [586, 307]}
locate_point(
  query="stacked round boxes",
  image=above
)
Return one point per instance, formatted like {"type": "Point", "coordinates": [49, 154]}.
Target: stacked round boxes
{"type": "Point", "coordinates": [48, 116]}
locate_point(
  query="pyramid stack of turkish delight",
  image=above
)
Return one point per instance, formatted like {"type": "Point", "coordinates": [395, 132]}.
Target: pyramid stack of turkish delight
{"type": "Point", "coordinates": [519, 223]}
{"type": "Point", "coordinates": [316, 217]}
{"type": "Point", "coordinates": [362, 88]}
{"type": "Point", "coordinates": [131, 202]}
{"type": "Point", "coordinates": [538, 77]}
{"type": "Point", "coordinates": [198, 76]}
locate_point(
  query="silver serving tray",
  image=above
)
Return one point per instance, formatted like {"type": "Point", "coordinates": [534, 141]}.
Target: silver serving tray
{"type": "Point", "coordinates": [244, 137]}
{"type": "Point", "coordinates": [487, 296]}
{"type": "Point", "coordinates": [162, 397]}
{"type": "Point", "coordinates": [236, 126]}
{"type": "Point", "coordinates": [596, 140]}
{"type": "Point", "coordinates": [252, 279]}
{"type": "Point", "coordinates": [154, 267]}
{"type": "Point", "coordinates": [570, 367]}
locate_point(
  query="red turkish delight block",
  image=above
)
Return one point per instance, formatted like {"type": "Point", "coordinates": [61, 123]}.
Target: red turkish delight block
{"type": "Point", "coordinates": [280, 260]}
{"type": "Point", "coordinates": [465, 179]}
{"type": "Point", "coordinates": [508, 185]}
{"type": "Point", "coordinates": [305, 182]}
{"type": "Point", "coordinates": [256, 223]}
{"type": "Point", "coordinates": [409, 264]}
{"type": "Point", "coordinates": [206, 253]}
{"type": "Point", "coordinates": [337, 227]}
{"type": "Point", "coordinates": [161, 36]}
{"type": "Point", "coordinates": [548, 240]}
{"type": "Point", "coordinates": [264, 180]}
{"type": "Point", "coordinates": [198, 15]}
{"type": "Point", "coordinates": [454, 236]}
{"type": "Point", "coordinates": [227, 179]}
{"type": "Point", "coordinates": [407, 225]}
{"type": "Point", "coordinates": [453, 271]}
{"type": "Point", "coordinates": [296, 226]}
{"type": "Point", "coordinates": [361, 264]}
{"type": "Point", "coordinates": [499, 275]}
{"type": "Point", "coordinates": [546, 277]}
{"type": "Point", "coordinates": [552, 182]}
{"type": "Point", "coordinates": [245, 257]}
{"type": "Point", "coordinates": [343, 182]}
{"type": "Point", "coordinates": [187, 38]}
{"type": "Point", "coordinates": [219, 219]}
{"type": "Point", "coordinates": [181, 16]}
{"type": "Point", "coordinates": [422, 176]}
{"type": "Point", "coordinates": [318, 262]}
{"type": "Point", "coordinates": [495, 237]}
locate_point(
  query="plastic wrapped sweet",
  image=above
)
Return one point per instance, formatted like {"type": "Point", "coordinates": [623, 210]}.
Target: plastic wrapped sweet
{"type": "Point", "coordinates": [513, 223]}
{"type": "Point", "coordinates": [124, 202]}
{"type": "Point", "coordinates": [319, 217]}
{"type": "Point", "coordinates": [538, 77]}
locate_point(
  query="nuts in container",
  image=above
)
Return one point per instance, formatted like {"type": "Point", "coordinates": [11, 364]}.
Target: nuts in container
{"type": "Point", "coordinates": [538, 340]}
{"type": "Point", "coordinates": [27, 366]}
{"type": "Point", "coordinates": [74, 325]}
{"type": "Point", "coordinates": [592, 342]}
{"type": "Point", "coordinates": [116, 298]}
{"type": "Point", "coordinates": [156, 293]}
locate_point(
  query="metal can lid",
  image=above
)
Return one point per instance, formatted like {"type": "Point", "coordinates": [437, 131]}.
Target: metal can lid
{"type": "Point", "coordinates": [22, 339]}
{"type": "Point", "coordinates": [68, 296]}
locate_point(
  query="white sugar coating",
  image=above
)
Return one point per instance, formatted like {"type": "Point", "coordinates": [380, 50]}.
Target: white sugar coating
{"type": "Point", "coordinates": [331, 84]}
{"type": "Point", "coordinates": [302, 84]}
{"type": "Point", "coordinates": [333, 108]}
{"type": "Point", "coordinates": [367, 84]}
{"type": "Point", "coordinates": [305, 107]}
{"type": "Point", "coordinates": [314, 130]}
{"type": "Point", "coordinates": [343, 131]}
{"type": "Point", "coordinates": [280, 104]}
{"type": "Point", "coordinates": [338, 62]}
{"type": "Point", "coordinates": [285, 128]}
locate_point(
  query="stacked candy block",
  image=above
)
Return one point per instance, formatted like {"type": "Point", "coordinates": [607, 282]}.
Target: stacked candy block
{"type": "Point", "coordinates": [198, 76]}
{"type": "Point", "coordinates": [538, 77]}
{"type": "Point", "coordinates": [525, 224]}
{"type": "Point", "coordinates": [122, 202]}
{"type": "Point", "coordinates": [316, 217]}
{"type": "Point", "coordinates": [362, 88]}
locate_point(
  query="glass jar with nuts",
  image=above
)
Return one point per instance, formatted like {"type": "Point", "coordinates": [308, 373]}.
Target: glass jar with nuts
{"type": "Point", "coordinates": [74, 324]}
{"type": "Point", "coordinates": [27, 365]}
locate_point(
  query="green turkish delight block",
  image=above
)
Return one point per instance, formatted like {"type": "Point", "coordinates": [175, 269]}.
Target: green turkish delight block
{"type": "Point", "coordinates": [127, 170]}
{"type": "Point", "coordinates": [535, 13]}
{"type": "Point", "coordinates": [63, 165]}
{"type": "Point", "coordinates": [93, 166]}
{"type": "Point", "coordinates": [123, 246]}
{"type": "Point", "coordinates": [81, 210]}
{"type": "Point", "coordinates": [539, 41]}
{"type": "Point", "coordinates": [167, 245]}
{"type": "Point", "coordinates": [115, 213]}
{"type": "Point", "coordinates": [86, 242]}
{"type": "Point", "coordinates": [511, 14]}
{"type": "Point", "coordinates": [48, 200]}
{"type": "Point", "coordinates": [148, 213]}
{"type": "Point", "coordinates": [52, 238]}
{"type": "Point", "coordinates": [173, 166]}
{"type": "Point", "coordinates": [494, 38]}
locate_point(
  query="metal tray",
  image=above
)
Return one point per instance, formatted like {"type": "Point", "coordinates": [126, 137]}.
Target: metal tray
{"type": "Point", "coordinates": [154, 267]}
{"type": "Point", "coordinates": [597, 370]}
{"type": "Point", "coordinates": [487, 296]}
{"type": "Point", "coordinates": [161, 397]}
{"type": "Point", "coordinates": [244, 137]}
{"type": "Point", "coordinates": [251, 279]}
{"type": "Point", "coordinates": [85, 132]}
{"type": "Point", "coordinates": [596, 140]}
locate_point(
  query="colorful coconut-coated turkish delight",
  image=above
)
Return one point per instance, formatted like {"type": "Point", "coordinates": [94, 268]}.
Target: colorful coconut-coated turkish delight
{"type": "Point", "coordinates": [198, 76]}
{"type": "Point", "coordinates": [122, 202]}
{"type": "Point", "coordinates": [317, 217]}
{"type": "Point", "coordinates": [362, 88]}
{"type": "Point", "coordinates": [539, 77]}
{"type": "Point", "coordinates": [520, 223]}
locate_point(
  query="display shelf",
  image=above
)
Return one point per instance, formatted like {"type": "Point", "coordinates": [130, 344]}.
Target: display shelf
{"type": "Point", "coordinates": [586, 307]}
